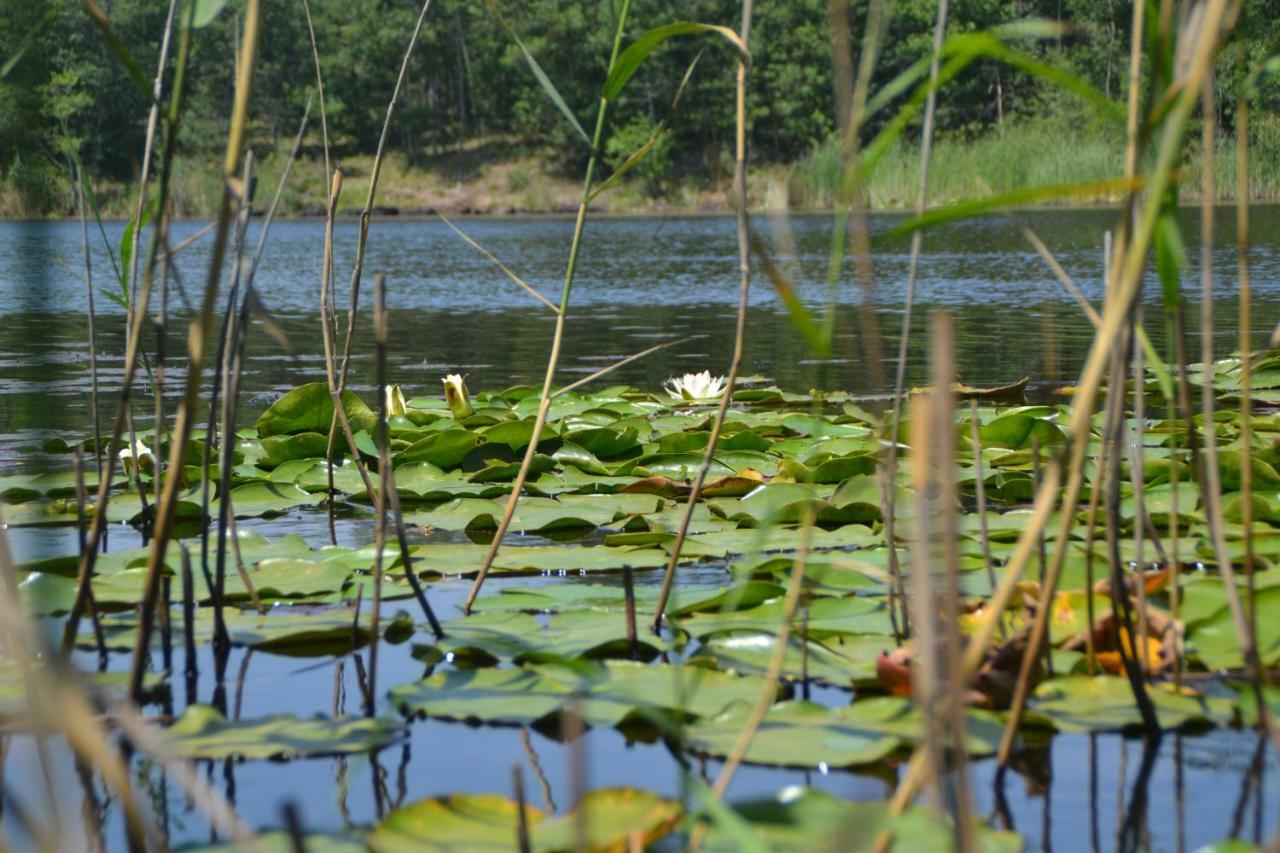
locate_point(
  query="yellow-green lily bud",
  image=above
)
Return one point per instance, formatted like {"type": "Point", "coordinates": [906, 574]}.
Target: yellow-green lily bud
{"type": "Point", "coordinates": [140, 454]}
{"type": "Point", "coordinates": [395, 401]}
{"type": "Point", "coordinates": [455, 394]}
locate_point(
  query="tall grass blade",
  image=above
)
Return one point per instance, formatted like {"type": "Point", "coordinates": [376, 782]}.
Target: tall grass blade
{"type": "Point", "coordinates": [541, 76]}
{"type": "Point", "coordinates": [630, 60]}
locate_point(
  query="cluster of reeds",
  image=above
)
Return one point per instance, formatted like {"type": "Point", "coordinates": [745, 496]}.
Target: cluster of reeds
{"type": "Point", "coordinates": [1177, 50]}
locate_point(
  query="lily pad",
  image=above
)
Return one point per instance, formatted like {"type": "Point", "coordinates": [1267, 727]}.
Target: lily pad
{"type": "Point", "coordinates": [202, 732]}
{"type": "Point", "coordinates": [309, 408]}
{"type": "Point", "coordinates": [794, 734]}
{"type": "Point", "coordinates": [1080, 703]}
{"type": "Point", "coordinates": [488, 822]}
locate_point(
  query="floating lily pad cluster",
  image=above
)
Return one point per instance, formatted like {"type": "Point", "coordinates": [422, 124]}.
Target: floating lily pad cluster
{"type": "Point", "coordinates": [608, 490]}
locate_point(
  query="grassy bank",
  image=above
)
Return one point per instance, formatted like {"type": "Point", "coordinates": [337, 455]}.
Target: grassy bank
{"type": "Point", "coordinates": [499, 177]}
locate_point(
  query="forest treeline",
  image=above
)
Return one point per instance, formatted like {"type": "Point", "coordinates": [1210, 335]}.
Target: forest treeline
{"type": "Point", "coordinates": [469, 88]}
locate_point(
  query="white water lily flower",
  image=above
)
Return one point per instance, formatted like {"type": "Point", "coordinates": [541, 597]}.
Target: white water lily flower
{"type": "Point", "coordinates": [696, 387]}
{"type": "Point", "coordinates": [139, 453]}
{"type": "Point", "coordinates": [395, 402]}
{"type": "Point", "coordinates": [455, 394]}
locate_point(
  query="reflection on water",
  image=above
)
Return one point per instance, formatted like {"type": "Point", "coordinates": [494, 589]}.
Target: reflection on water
{"type": "Point", "coordinates": [642, 281]}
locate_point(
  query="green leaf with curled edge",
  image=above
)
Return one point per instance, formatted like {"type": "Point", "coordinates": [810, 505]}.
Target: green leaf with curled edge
{"type": "Point", "coordinates": [309, 408]}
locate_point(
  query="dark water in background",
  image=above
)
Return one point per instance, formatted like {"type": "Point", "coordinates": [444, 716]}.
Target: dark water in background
{"type": "Point", "coordinates": [640, 282]}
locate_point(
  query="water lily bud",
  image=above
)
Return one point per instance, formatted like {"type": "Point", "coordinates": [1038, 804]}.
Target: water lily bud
{"type": "Point", "coordinates": [696, 387]}
{"type": "Point", "coordinates": [139, 453]}
{"type": "Point", "coordinates": [395, 401]}
{"type": "Point", "coordinates": [455, 394]}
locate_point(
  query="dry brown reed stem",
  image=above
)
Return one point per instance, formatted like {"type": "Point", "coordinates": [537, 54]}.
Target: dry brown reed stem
{"type": "Point", "coordinates": [522, 810]}
{"type": "Point", "coordinates": [740, 325]}
{"type": "Point", "coordinates": [1211, 485]}
{"type": "Point", "coordinates": [1137, 480]}
{"type": "Point", "coordinates": [943, 453]}
{"type": "Point", "coordinates": [81, 496]}
{"type": "Point", "coordinates": [1121, 608]}
{"type": "Point", "coordinates": [898, 619]}
{"type": "Point", "coordinates": [858, 230]}
{"type": "Point", "coordinates": [1095, 493]}
{"type": "Point", "coordinates": [557, 336]}
{"type": "Point", "coordinates": [1061, 274]}
{"type": "Point", "coordinates": [1126, 278]}
{"type": "Point", "coordinates": [324, 116]}
{"type": "Point", "coordinates": [228, 384]}
{"type": "Point", "coordinates": [135, 320]}
{"type": "Point", "coordinates": [1246, 359]}
{"type": "Point", "coordinates": [510, 273]}
{"type": "Point", "coordinates": [980, 486]}
{"type": "Point", "coordinates": [544, 786]}
{"type": "Point", "coordinates": [384, 466]}
{"type": "Point", "coordinates": [93, 335]}
{"type": "Point", "coordinates": [198, 336]}
{"type": "Point", "coordinates": [191, 663]}
{"type": "Point", "coordinates": [362, 240]}
{"type": "Point", "coordinates": [926, 669]}
{"type": "Point", "coordinates": [153, 119]}
{"type": "Point", "coordinates": [917, 241]}
{"type": "Point", "coordinates": [327, 332]}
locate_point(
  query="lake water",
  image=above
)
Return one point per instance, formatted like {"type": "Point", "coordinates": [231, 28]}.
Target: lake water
{"type": "Point", "coordinates": [641, 282]}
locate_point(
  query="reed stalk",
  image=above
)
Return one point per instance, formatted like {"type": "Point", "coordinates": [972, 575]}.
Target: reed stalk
{"type": "Point", "coordinates": [91, 314]}
{"type": "Point", "coordinates": [942, 452]}
{"type": "Point", "coordinates": [557, 337]}
{"type": "Point", "coordinates": [740, 327]}
{"type": "Point", "coordinates": [1137, 480]}
{"type": "Point", "coordinates": [510, 273]}
{"type": "Point", "coordinates": [980, 486]}
{"type": "Point", "coordinates": [336, 387]}
{"type": "Point", "coordinates": [1211, 486]}
{"type": "Point", "coordinates": [913, 262]}
{"type": "Point", "coordinates": [85, 569]}
{"type": "Point", "coordinates": [324, 115]}
{"type": "Point", "coordinates": [198, 335]}
{"type": "Point", "coordinates": [899, 621]}
{"type": "Point", "coordinates": [1126, 279]}
{"type": "Point", "coordinates": [522, 810]}
{"type": "Point", "coordinates": [384, 467]}
{"type": "Point", "coordinates": [1246, 372]}
{"type": "Point", "coordinates": [366, 214]}
{"type": "Point", "coordinates": [153, 119]}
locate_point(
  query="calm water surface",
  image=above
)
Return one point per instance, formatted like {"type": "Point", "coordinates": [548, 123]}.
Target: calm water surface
{"type": "Point", "coordinates": [641, 282]}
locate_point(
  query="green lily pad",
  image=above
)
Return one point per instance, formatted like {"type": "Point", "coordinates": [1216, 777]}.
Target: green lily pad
{"type": "Point", "coordinates": [794, 734]}
{"type": "Point", "coordinates": [844, 662]}
{"type": "Point", "coordinates": [488, 822]}
{"type": "Point", "coordinates": [1080, 703]}
{"type": "Point", "coordinates": [612, 691]}
{"type": "Point", "coordinates": [202, 732]}
{"type": "Point", "coordinates": [796, 816]}
{"type": "Point", "coordinates": [309, 408]}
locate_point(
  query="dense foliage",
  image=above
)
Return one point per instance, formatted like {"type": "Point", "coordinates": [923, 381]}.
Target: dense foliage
{"type": "Point", "coordinates": [469, 85]}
